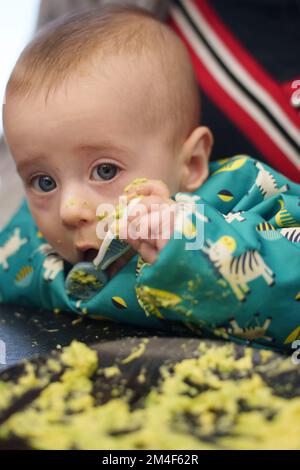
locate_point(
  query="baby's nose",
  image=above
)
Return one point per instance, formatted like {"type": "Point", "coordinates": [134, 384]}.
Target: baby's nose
{"type": "Point", "coordinates": [76, 211]}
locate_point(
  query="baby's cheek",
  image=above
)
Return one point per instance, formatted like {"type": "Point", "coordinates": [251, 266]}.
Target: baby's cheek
{"type": "Point", "coordinates": [64, 251]}
{"type": "Point", "coordinates": [51, 233]}
{"type": "Point", "coordinates": [40, 218]}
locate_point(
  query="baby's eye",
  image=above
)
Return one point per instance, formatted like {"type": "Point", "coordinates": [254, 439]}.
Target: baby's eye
{"type": "Point", "coordinates": [43, 184]}
{"type": "Point", "coordinates": [105, 171]}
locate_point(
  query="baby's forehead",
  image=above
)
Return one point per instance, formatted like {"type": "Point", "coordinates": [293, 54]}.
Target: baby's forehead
{"type": "Point", "coordinates": [141, 60]}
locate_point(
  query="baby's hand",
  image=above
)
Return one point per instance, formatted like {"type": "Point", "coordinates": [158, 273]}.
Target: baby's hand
{"type": "Point", "coordinates": [151, 222]}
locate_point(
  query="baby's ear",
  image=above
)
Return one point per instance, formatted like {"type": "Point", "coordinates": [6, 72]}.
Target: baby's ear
{"type": "Point", "coordinates": [195, 155]}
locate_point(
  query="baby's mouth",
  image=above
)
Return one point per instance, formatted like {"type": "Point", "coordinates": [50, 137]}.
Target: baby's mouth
{"type": "Point", "coordinates": [89, 255]}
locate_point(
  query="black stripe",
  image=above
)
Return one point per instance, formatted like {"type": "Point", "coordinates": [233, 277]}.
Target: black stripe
{"type": "Point", "coordinates": [235, 79]}
{"type": "Point", "coordinates": [254, 256]}
{"type": "Point", "coordinates": [250, 260]}
{"type": "Point", "coordinates": [268, 29]}
{"type": "Point", "coordinates": [292, 235]}
{"type": "Point", "coordinates": [244, 263]}
{"type": "Point", "coordinates": [237, 264]}
{"type": "Point", "coordinates": [222, 126]}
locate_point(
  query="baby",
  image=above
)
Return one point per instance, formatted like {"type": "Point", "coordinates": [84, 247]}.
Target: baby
{"type": "Point", "coordinates": [102, 98]}
{"type": "Point", "coordinates": [95, 101]}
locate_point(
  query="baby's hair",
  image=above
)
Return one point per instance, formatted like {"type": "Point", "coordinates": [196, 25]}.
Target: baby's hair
{"type": "Point", "coordinates": [66, 45]}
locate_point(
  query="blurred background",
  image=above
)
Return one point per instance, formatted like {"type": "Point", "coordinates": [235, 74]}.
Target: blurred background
{"type": "Point", "coordinates": [18, 20]}
{"type": "Point", "coordinates": [17, 23]}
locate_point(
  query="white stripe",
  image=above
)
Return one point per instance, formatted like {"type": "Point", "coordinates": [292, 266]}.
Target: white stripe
{"type": "Point", "coordinates": [232, 89]}
{"type": "Point", "coordinates": [241, 73]}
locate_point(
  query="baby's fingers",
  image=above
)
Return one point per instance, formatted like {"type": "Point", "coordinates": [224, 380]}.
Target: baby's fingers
{"type": "Point", "coordinates": [148, 252]}
{"type": "Point", "coordinates": [152, 227]}
{"type": "Point", "coordinates": [148, 188]}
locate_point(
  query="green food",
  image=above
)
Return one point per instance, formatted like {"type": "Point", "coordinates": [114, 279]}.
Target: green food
{"type": "Point", "coordinates": [215, 401]}
{"type": "Point", "coordinates": [83, 281]}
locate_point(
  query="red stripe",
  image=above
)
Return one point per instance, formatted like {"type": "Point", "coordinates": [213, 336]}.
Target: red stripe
{"type": "Point", "coordinates": [238, 115]}
{"type": "Point", "coordinates": [242, 56]}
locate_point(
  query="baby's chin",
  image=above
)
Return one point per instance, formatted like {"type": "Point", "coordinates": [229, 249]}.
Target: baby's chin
{"type": "Point", "coordinates": [69, 258]}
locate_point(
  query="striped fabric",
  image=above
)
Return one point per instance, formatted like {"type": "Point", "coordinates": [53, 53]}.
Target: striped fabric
{"type": "Point", "coordinates": [240, 89]}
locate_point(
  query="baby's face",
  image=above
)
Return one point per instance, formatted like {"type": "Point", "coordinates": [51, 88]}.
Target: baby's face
{"type": "Point", "coordinates": [80, 149]}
